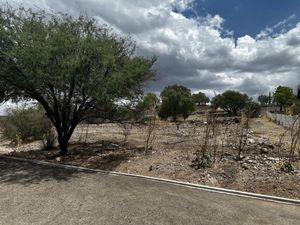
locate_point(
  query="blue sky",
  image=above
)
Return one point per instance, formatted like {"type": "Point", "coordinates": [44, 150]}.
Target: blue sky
{"type": "Point", "coordinates": [249, 17]}
{"type": "Point", "coordinates": [251, 46]}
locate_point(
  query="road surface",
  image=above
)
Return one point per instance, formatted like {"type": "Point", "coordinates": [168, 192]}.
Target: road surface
{"type": "Point", "coordinates": [37, 194]}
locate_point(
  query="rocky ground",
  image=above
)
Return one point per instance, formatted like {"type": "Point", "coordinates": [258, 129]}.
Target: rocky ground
{"type": "Point", "coordinates": [258, 170]}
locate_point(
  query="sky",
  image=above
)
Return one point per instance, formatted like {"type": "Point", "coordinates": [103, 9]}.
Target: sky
{"type": "Point", "coordinates": [211, 46]}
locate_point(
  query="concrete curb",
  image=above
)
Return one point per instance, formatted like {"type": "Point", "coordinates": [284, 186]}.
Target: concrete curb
{"type": "Point", "coordinates": [179, 183]}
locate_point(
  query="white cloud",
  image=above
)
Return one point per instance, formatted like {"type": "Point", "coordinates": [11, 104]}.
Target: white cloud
{"type": "Point", "coordinates": [193, 51]}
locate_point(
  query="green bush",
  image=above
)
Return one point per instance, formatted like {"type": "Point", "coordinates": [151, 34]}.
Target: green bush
{"type": "Point", "coordinates": [287, 167]}
{"type": "Point", "coordinates": [25, 124]}
{"type": "Point", "coordinates": [202, 161]}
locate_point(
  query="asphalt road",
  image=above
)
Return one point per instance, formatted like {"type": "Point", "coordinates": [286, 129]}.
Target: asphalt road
{"type": "Point", "coordinates": [39, 194]}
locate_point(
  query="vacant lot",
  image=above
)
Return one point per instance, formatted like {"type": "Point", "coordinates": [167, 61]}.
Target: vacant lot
{"type": "Point", "coordinates": [102, 146]}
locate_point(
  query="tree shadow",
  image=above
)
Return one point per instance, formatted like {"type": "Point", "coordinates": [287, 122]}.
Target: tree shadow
{"type": "Point", "coordinates": [14, 171]}
{"type": "Point", "coordinates": [103, 155]}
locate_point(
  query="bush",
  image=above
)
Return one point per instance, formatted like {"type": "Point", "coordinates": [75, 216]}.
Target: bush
{"type": "Point", "coordinates": [49, 139]}
{"type": "Point", "coordinates": [287, 167]}
{"type": "Point", "coordinates": [25, 124]}
{"type": "Point", "coordinates": [252, 109]}
{"type": "Point", "coordinates": [203, 161]}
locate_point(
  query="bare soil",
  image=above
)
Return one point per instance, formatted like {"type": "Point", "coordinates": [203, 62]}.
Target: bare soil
{"type": "Point", "coordinates": [102, 147]}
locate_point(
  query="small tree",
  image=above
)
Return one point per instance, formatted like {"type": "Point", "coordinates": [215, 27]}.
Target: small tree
{"type": "Point", "coordinates": [176, 102]}
{"type": "Point", "coordinates": [149, 108]}
{"type": "Point", "coordinates": [252, 109]}
{"type": "Point", "coordinates": [72, 67]}
{"type": "Point", "coordinates": [125, 117]}
{"type": "Point", "coordinates": [200, 98]}
{"type": "Point", "coordinates": [284, 97]}
{"type": "Point", "coordinates": [230, 101]}
{"type": "Point", "coordinates": [263, 100]}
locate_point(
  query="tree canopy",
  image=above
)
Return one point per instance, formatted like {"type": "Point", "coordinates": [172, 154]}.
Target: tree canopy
{"type": "Point", "coordinates": [200, 98]}
{"type": "Point", "coordinates": [263, 99]}
{"type": "Point", "coordinates": [284, 96]}
{"type": "Point", "coordinates": [176, 102]}
{"type": "Point", "coordinates": [230, 101]}
{"type": "Point", "coordinates": [71, 66]}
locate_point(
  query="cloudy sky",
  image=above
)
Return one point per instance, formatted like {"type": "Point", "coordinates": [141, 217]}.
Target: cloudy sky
{"type": "Point", "coordinates": [208, 45]}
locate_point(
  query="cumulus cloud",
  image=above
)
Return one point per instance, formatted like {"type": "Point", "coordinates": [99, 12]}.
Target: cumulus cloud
{"type": "Point", "coordinates": [195, 51]}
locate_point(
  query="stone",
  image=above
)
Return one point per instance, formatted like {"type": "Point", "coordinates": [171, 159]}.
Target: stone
{"type": "Point", "coordinates": [58, 159]}
{"type": "Point", "coordinates": [245, 166]}
{"type": "Point", "coordinates": [251, 141]}
{"type": "Point", "coordinates": [264, 150]}
{"type": "Point", "coordinates": [273, 159]}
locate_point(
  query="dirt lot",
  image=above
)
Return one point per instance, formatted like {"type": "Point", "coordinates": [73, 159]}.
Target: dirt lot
{"type": "Point", "coordinates": [101, 146]}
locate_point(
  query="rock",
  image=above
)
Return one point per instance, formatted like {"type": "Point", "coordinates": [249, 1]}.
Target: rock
{"type": "Point", "coordinates": [273, 159]}
{"type": "Point", "coordinates": [227, 154]}
{"type": "Point", "coordinates": [264, 150]}
{"type": "Point", "coordinates": [245, 166]}
{"type": "Point", "coordinates": [251, 141]}
{"type": "Point", "coordinates": [58, 159]}
{"type": "Point", "coordinates": [250, 161]}
{"type": "Point", "coordinates": [11, 150]}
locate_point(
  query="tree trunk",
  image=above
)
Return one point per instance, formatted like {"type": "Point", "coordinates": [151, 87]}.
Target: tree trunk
{"type": "Point", "coordinates": [63, 145]}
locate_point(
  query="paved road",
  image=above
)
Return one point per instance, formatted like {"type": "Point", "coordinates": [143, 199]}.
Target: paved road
{"type": "Point", "coordinates": [37, 194]}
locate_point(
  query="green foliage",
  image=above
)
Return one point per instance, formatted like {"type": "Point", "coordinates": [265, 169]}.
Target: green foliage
{"type": "Point", "coordinates": [263, 100]}
{"type": "Point", "coordinates": [202, 161]}
{"type": "Point", "coordinates": [252, 109]}
{"type": "Point", "coordinates": [25, 124]}
{"type": "Point", "coordinates": [296, 109]}
{"type": "Point", "coordinates": [200, 98]}
{"type": "Point", "coordinates": [284, 97]}
{"type": "Point", "coordinates": [230, 101]}
{"type": "Point", "coordinates": [148, 107]}
{"type": "Point", "coordinates": [74, 68]}
{"type": "Point", "coordinates": [287, 167]}
{"type": "Point", "coordinates": [176, 102]}
{"type": "Point", "coordinates": [150, 101]}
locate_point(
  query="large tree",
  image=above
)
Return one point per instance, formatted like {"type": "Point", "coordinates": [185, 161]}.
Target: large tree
{"type": "Point", "coordinates": [230, 101]}
{"type": "Point", "coordinates": [176, 102]}
{"type": "Point", "coordinates": [284, 97]}
{"type": "Point", "coordinates": [71, 66]}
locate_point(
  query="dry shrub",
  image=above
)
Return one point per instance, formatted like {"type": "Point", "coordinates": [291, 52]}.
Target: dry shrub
{"type": "Point", "coordinates": [207, 143]}
{"type": "Point", "coordinates": [151, 126]}
{"type": "Point", "coordinates": [126, 128]}
{"type": "Point", "coordinates": [241, 133]}
{"type": "Point", "coordinates": [292, 134]}
{"type": "Point", "coordinates": [25, 124]}
{"type": "Point", "coordinates": [49, 139]}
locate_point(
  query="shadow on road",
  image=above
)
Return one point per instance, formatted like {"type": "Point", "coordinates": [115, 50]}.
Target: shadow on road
{"type": "Point", "coordinates": [21, 172]}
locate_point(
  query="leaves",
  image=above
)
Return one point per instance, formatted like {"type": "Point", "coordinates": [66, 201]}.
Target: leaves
{"type": "Point", "coordinates": [176, 101]}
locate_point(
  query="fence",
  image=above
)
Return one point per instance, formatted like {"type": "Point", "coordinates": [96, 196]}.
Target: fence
{"type": "Point", "coordinates": [282, 119]}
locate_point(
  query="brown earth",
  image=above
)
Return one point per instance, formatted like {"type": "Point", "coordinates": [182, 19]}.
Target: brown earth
{"type": "Point", "coordinates": [101, 147]}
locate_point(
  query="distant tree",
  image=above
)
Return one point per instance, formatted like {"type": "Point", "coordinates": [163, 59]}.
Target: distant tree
{"type": "Point", "coordinates": [72, 67]}
{"type": "Point", "coordinates": [176, 102]}
{"type": "Point", "coordinates": [230, 101]}
{"type": "Point", "coordinates": [263, 100]}
{"type": "Point", "coordinates": [149, 104]}
{"type": "Point", "coordinates": [252, 109]}
{"type": "Point", "coordinates": [284, 97]}
{"type": "Point", "coordinates": [200, 98]}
